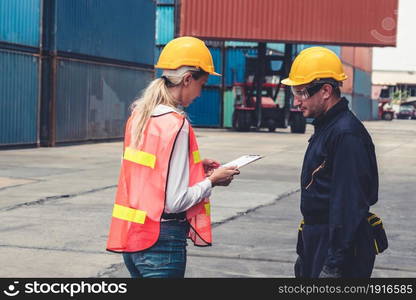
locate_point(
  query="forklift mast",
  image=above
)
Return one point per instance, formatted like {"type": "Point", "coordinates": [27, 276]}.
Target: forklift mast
{"type": "Point", "coordinates": [261, 66]}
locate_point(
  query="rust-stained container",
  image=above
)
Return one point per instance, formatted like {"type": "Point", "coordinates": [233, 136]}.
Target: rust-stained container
{"type": "Point", "coordinates": [294, 21]}
{"type": "Point", "coordinates": [347, 85]}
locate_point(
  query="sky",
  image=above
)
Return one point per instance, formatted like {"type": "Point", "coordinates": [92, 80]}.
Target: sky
{"type": "Point", "coordinates": [402, 57]}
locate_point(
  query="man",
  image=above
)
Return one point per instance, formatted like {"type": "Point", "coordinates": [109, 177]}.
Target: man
{"type": "Point", "coordinates": [339, 180]}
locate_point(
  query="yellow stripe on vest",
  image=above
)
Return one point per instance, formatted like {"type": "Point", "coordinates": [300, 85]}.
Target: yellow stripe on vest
{"type": "Point", "coordinates": [197, 157]}
{"type": "Point", "coordinates": [129, 214]}
{"type": "Point", "coordinates": [140, 157]}
{"type": "Point", "coordinates": [207, 209]}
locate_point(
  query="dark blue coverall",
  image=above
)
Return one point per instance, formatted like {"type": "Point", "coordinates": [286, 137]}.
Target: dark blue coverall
{"type": "Point", "coordinates": [339, 183]}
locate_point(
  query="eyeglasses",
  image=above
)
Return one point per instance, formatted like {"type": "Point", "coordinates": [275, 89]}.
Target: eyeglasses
{"type": "Point", "coordinates": [308, 91]}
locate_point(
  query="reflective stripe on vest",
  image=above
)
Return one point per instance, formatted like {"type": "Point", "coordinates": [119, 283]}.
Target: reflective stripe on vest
{"type": "Point", "coordinates": [207, 207]}
{"type": "Point", "coordinates": [129, 214]}
{"type": "Point", "coordinates": [197, 156]}
{"type": "Point", "coordinates": [140, 157]}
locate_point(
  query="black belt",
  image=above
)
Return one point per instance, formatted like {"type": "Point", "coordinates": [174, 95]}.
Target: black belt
{"type": "Point", "coordinates": [177, 216]}
{"type": "Point", "coordinates": [316, 220]}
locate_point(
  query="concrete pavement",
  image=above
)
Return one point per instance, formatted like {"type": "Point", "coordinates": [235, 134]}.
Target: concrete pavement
{"type": "Point", "coordinates": [56, 203]}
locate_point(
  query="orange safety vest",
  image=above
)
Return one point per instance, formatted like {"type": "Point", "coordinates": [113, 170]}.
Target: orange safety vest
{"type": "Point", "coordinates": [141, 191]}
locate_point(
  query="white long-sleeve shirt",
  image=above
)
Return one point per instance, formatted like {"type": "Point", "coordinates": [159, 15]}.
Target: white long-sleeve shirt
{"type": "Point", "coordinates": [179, 196]}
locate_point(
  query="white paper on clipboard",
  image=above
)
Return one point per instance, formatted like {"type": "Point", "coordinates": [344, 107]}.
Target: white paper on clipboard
{"type": "Point", "coordinates": [243, 160]}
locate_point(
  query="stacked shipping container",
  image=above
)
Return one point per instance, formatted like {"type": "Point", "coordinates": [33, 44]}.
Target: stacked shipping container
{"type": "Point", "coordinates": [19, 79]}
{"type": "Point", "coordinates": [207, 109]}
{"type": "Point", "coordinates": [215, 106]}
{"type": "Point", "coordinates": [357, 89]}
{"type": "Point", "coordinates": [74, 67]}
{"type": "Point", "coordinates": [79, 64]}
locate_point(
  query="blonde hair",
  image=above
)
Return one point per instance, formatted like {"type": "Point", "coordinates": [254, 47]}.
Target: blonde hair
{"type": "Point", "coordinates": [157, 92]}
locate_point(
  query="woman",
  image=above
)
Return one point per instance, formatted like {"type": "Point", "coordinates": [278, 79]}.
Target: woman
{"type": "Point", "coordinates": [163, 188]}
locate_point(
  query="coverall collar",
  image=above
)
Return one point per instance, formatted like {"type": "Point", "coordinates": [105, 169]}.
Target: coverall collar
{"type": "Point", "coordinates": [331, 113]}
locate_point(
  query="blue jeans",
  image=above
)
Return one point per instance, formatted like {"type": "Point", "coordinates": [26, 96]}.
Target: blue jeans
{"type": "Point", "coordinates": [166, 258]}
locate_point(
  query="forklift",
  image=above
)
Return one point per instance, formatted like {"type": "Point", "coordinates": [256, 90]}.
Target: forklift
{"type": "Point", "coordinates": [255, 102]}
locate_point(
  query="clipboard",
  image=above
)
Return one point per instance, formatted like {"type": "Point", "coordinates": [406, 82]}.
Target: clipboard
{"type": "Point", "coordinates": [243, 160]}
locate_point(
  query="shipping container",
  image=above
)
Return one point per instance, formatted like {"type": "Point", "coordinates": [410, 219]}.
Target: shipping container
{"type": "Point", "coordinates": [362, 83]}
{"type": "Point", "coordinates": [217, 58]}
{"type": "Point", "coordinates": [19, 98]}
{"type": "Point", "coordinates": [165, 24]}
{"type": "Point", "coordinates": [362, 107]}
{"type": "Point", "coordinates": [358, 57]}
{"type": "Point", "coordinates": [374, 109]}
{"type": "Point", "coordinates": [20, 22]}
{"type": "Point", "coordinates": [349, 98]}
{"type": "Point", "coordinates": [347, 55]}
{"type": "Point", "coordinates": [363, 58]}
{"type": "Point", "coordinates": [158, 49]}
{"type": "Point", "coordinates": [236, 64]}
{"type": "Point", "coordinates": [296, 21]}
{"type": "Point", "coordinates": [205, 110]}
{"type": "Point", "coordinates": [335, 49]}
{"type": "Point", "coordinates": [92, 100]}
{"type": "Point", "coordinates": [347, 85]}
{"type": "Point", "coordinates": [165, 1]}
{"type": "Point", "coordinates": [104, 28]}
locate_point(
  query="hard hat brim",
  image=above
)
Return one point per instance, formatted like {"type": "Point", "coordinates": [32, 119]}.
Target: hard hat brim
{"type": "Point", "coordinates": [289, 82]}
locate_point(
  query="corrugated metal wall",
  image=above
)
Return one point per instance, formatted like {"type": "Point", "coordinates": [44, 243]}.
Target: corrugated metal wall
{"type": "Point", "coordinates": [236, 63]}
{"type": "Point", "coordinates": [217, 58]}
{"type": "Point", "coordinates": [327, 21]}
{"type": "Point", "coordinates": [235, 53]}
{"type": "Point", "coordinates": [347, 85]}
{"type": "Point", "coordinates": [98, 56]}
{"type": "Point", "coordinates": [205, 110]}
{"type": "Point", "coordinates": [363, 58]}
{"type": "Point", "coordinates": [104, 28]}
{"type": "Point", "coordinates": [362, 107]}
{"type": "Point", "coordinates": [20, 22]}
{"type": "Point", "coordinates": [165, 24]}
{"type": "Point", "coordinates": [358, 65]}
{"type": "Point", "coordinates": [19, 98]}
{"type": "Point", "coordinates": [362, 83]}
{"type": "Point", "coordinates": [93, 99]}
{"type": "Point", "coordinates": [374, 109]}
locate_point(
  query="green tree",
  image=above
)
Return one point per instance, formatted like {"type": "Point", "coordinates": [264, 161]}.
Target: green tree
{"type": "Point", "coordinates": [400, 96]}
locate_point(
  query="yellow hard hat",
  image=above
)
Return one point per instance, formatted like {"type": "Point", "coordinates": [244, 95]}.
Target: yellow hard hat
{"type": "Point", "coordinates": [315, 63]}
{"type": "Point", "coordinates": [186, 51]}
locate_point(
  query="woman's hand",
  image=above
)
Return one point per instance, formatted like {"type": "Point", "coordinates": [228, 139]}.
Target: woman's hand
{"type": "Point", "coordinates": [223, 176]}
{"type": "Point", "coordinates": [210, 165]}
